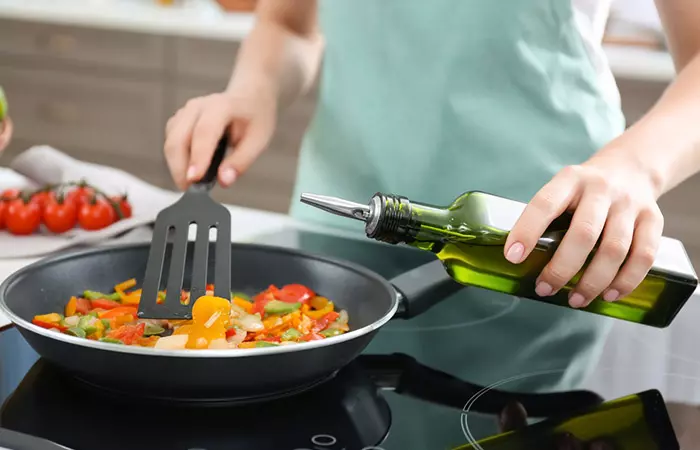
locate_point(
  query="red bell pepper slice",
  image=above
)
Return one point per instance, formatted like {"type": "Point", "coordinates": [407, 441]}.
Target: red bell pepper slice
{"type": "Point", "coordinates": [323, 322]}
{"type": "Point", "coordinates": [263, 298]}
{"type": "Point", "coordinates": [295, 293]}
{"type": "Point", "coordinates": [311, 337]}
{"type": "Point", "coordinates": [104, 303]}
{"type": "Point", "coordinates": [48, 325]}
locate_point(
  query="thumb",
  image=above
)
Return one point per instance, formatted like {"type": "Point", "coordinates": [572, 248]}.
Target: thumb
{"type": "Point", "coordinates": [252, 143]}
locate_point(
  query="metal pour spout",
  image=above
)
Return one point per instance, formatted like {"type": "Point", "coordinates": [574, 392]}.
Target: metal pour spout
{"type": "Point", "coordinates": [338, 206]}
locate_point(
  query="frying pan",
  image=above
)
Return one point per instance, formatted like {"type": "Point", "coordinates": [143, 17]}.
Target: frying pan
{"type": "Point", "coordinates": [235, 375]}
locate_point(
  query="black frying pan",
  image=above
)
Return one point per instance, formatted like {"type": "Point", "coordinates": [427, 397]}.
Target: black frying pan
{"type": "Point", "coordinates": [216, 375]}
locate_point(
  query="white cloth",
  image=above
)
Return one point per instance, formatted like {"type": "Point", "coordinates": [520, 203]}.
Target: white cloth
{"type": "Point", "coordinates": [42, 165]}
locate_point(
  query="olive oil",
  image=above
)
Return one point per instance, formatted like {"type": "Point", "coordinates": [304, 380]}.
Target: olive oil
{"type": "Point", "coordinates": [635, 422]}
{"type": "Point", "coordinates": [469, 235]}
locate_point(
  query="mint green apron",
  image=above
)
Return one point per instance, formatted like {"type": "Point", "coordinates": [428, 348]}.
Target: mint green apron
{"type": "Point", "coordinates": [428, 99]}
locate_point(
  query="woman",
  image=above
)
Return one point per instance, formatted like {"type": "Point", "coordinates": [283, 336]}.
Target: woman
{"type": "Point", "coordinates": [430, 99]}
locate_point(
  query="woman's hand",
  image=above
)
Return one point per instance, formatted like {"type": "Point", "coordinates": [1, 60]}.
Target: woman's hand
{"type": "Point", "coordinates": [613, 200]}
{"type": "Point", "coordinates": [5, 133]}
{"type": "Point", "coordinates": [192, 134]}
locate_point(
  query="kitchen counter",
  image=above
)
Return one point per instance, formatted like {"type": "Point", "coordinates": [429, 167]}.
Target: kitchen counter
{"type": "Point", "coordinates": [204, 19]}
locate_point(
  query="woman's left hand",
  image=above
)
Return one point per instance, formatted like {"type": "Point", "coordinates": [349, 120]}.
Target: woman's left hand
{"type": "Point", "coordinates": [5, 133]}
{"type": "Point", "coordinates": [613, 199]}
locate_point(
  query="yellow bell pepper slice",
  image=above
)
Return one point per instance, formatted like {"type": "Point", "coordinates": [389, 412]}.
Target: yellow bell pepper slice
{"type": "Point", "coordinates": [49, 318]}
{"type": "Point", "coordinates": [321, 312]}
{"type": "Point", "coordinates": [71, 307]}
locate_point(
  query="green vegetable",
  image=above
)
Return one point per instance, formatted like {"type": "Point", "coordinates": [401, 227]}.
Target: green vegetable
{"type": "Point", "coordinates": [105, 322]}
{"type": "Point", "coordinates": [241, 295]}
{"type": "Point", "coordinates": [94, 295]}
{"type": "Point", "coordinates": [93, 314]}
{"type": "Point", "coordinates": [75, 331]}
{"type": "Point", "coordinates": [331, 332]}
{"type": "Point", "coordinates": [111, 340]}
{"type": "Point", "coordinates": [279, 307]}
{"type": "Point", "coordinates": [152, 329]}
{"type": "Point", "coordinates": [291, 334]}
{"type": "Point", "coordinates": [259, 344]}
{"type": "Point", "coordinates": [86, 322]}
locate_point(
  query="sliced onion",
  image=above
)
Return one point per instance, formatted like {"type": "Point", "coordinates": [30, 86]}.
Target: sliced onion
{"type": "Point", "coordinates": [174, 342]}
{"type": "Point", "coordinates": [219, 344]}
{"type": "Point", "coordinates": [237, 338]}
{"type": "Point", "coordinates": [72, 321]}
{"type": "Point", "coordinates": [343, 317]}
{"type": "Point", "coordinates": [250, 322]}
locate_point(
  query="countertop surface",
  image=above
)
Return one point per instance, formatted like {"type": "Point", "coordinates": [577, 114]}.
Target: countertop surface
{"type": "Point", "coordinates": [205, 19]}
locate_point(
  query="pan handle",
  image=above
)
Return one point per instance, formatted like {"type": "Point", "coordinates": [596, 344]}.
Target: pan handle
{"type": "Point", "coordinates": [422, 288]}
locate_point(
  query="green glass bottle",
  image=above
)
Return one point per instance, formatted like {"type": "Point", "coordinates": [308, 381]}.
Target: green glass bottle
{"type": "Point", "coordinates": [469, 235]}
{"type": "Point", "coordinates": [635, 422]}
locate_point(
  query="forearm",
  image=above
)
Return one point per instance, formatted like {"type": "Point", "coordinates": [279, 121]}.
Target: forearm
{"type": "Point", "coordinates": [666, 141]}
{"type": "Point", "coordinates": [279, 54]}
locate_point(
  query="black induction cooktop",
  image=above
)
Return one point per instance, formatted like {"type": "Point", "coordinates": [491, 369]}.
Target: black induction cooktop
{"type": "Point", "coordinates": [384, 400]}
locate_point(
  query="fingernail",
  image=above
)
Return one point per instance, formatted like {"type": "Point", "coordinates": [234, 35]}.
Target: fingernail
{"type": "Point", "coordinates": [515, 253]}
{"type": "Point", "coordinates": [228, 175]}
{"type": "Point", "coordinates": [191, 173]}
{"type": "Point", "coordinates": [543, 289]}
{"type": "Point", "coordinates": [577, 300]}
{"type": "Point", "coordinates": [611, 295]}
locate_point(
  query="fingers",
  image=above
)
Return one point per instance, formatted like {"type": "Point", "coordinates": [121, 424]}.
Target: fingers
{"type": "Point", "coordinates": [578, 242]}
{"type": "Point", "coordinates": [513, 417]}
{"type": "Point", "coordinates": [5, 133]}
{"type": "Point", "coordinates": [611, 253]}
{"type": "Point", "coordinates": [548, 204]}
{"type": "Point", "coordinates": [253, 142]}
{"type": "Point", "coordinates": [178, 138]}
{"type": "Point", "coordinates": [645, 244]}
{"type": "Point", "coordinates": [211, 124]}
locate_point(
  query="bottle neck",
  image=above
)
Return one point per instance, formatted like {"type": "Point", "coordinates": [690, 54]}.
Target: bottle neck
{"type": "Point", "coordinates": [396, 219]}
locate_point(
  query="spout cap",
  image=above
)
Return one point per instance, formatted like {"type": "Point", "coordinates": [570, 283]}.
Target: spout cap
{"type": "Point", "coordinates": [338, 206]}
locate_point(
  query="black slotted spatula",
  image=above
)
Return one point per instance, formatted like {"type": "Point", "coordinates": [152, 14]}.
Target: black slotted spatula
{"type": "Point", "coordinates": [195, 207]}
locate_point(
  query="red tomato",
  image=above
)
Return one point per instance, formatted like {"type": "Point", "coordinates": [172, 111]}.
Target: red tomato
{"type": "Point", "coordinates": [97, 215]}
{"type": "Point", "coordinates": [59, 217]}
{"type": "Point", "coordinates": [83, 306]}
{"type": "Point", "coordinates": [124, 206]}
{"type": "Point", "coordinates": [80, 195]}
{"type": "Point", "coordinates": [272, 339]}
{"type": "Point", "coordinates": [10, 194]}
{"type": "Point", "coordinates": [128, 334]}
{"type": "Point", "coordinates": [41, 198]}
{"type": "Point", "coordinates": [104, 303]}
{"type": "Point", "coordinates": [22, 218]}
{"type": "Point", "coordinates": [293, 293]}
{"type": "Point", "coordinates": [3, 209]}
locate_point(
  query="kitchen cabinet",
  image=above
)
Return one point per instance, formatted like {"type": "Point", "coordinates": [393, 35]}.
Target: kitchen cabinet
{"type": "Point", "coordinates": [104, 96]}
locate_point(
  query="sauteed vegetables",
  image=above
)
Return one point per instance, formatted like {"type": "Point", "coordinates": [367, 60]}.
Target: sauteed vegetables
{"type": "Point", "coordinates": [277, 316]}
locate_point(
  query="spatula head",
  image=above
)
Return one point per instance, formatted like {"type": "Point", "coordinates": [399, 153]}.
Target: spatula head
{"type": "Point", "coordinates": [173, 224]}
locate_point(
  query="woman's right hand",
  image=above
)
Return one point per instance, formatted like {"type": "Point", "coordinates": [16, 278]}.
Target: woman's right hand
{"type": "Point", "coordinates": [192, 134]}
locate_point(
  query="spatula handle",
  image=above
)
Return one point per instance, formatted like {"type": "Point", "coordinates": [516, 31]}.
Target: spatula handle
{"type": "Point", "coordinates": [209, 179]}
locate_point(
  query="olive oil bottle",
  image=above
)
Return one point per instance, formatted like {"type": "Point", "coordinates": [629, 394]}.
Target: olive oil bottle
{"type": "Point", "coordinates": [635, 422]}
{"type": "Point", "coordinates": [469, 235]}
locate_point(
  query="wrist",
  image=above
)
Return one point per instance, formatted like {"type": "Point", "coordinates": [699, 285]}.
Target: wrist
{"type": "Point", "coordinates": [639, 156]}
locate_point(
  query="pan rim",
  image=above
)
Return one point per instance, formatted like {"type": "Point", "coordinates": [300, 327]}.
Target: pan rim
{"type": "Point", "coordinates": [190, 353]}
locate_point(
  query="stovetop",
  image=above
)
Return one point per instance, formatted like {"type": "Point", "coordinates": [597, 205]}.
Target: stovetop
{"type": "Point", "coordinates": [386, 399]}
